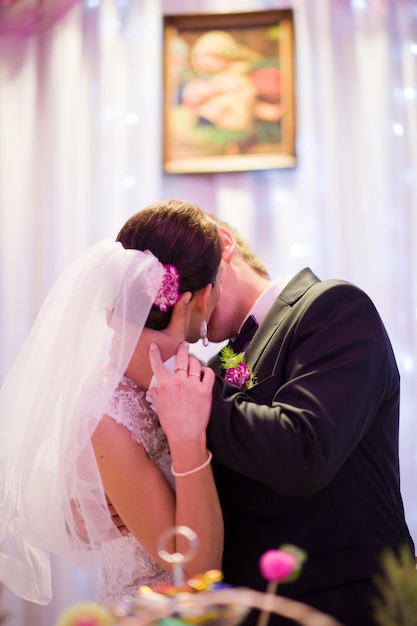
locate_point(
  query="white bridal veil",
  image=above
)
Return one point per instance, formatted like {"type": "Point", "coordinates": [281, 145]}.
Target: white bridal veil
{"type": "Point", "coordinates": [50, 403]}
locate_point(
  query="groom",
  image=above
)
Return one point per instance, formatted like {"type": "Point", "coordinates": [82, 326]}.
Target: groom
{"type": "Point", "coordinates": [309, 455]}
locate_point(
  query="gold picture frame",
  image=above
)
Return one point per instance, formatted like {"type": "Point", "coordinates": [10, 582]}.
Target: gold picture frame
{"type": "Point", "coordinates": [229, 95]}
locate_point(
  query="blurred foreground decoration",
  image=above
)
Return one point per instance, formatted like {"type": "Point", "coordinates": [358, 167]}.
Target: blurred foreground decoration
{"type": "Point", "coordinates": [27, 17]}
{"type": "Point", "coordinates": [219, 605]}
{"type": "Point", "coordinates": [397, 604]}
{"type": "Point", "coordinates": [205, 600]}
{"type": "Point", "coordinates": [202, 600]}
{"type": "Point", "coordinates": [224, 607]}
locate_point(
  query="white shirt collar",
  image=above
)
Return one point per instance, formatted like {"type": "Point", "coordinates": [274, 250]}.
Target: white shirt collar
{"type": "Point", "coordinates": [262, 305]}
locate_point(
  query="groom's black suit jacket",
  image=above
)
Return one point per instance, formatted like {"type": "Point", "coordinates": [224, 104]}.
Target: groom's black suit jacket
{"type": "Point", "coordinates": [309, 456]}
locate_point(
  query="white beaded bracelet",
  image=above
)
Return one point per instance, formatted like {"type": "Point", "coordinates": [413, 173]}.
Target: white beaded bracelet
{"type": "Point", "coordinates": [195, 469]}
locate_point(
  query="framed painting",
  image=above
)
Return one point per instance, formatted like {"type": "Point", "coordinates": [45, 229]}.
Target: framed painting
{"type": "Point", "coordinates": [229, 96]}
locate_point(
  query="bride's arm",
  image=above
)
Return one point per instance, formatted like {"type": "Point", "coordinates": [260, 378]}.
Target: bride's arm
{"type": "Point", "coordinates": [168, 339]}
{"type": "Point", "coordinates": [140, 493]}
{"type": "Point", "coordinates": [183, 403]}
{"type": "Point", "coordinates": [135, 486]}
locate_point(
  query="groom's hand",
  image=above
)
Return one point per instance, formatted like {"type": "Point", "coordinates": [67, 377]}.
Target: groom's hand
{"type": "Point", "coordinates": [80, 525]}
{"type": "Point", "coordinates": [117, 521]}
{"type": "Point", "coordinates": [168, 340]}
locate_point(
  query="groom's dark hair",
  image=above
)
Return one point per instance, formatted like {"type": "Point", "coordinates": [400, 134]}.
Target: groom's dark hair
{"type": "Point", "coordinates": [179, 233]}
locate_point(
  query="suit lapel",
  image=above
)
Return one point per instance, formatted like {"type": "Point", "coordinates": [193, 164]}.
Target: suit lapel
{"type": "Point", "coordinates": [291, 293]}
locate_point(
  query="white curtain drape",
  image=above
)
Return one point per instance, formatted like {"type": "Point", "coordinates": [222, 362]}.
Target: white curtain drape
{"type": "Point", "coordinates": [80, 151]}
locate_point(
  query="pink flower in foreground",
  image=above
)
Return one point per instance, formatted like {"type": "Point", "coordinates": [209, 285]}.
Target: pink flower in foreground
{"type": "Point", "coordinates": [85, 614]}
{"type": "Point", "coordinates": [277, 565]}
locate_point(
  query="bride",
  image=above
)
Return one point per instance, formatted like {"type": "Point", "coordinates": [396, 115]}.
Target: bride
{"type": "Point", "coordinates": [77, 432]}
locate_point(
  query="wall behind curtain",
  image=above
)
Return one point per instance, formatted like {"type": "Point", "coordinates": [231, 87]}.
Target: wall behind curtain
{"type": "Point", "coordinates": [80, 151]}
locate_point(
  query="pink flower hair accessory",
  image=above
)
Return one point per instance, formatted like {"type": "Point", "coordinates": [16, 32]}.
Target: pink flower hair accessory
{"type": "Point", "coordinates": [168, 293]}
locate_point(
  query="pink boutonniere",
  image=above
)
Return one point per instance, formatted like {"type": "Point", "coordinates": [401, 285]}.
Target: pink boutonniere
{"type": "Point", "coordinates": [237, 371]}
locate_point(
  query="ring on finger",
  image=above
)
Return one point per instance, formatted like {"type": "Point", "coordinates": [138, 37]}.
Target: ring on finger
{"type": "Point", "coordinates": [179, 368]}
{"type": "Point", "coordinates": [195, 374]}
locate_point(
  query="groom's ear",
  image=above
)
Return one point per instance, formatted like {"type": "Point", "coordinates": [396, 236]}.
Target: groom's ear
{"type": "Point", "coordinates": [228, 244]}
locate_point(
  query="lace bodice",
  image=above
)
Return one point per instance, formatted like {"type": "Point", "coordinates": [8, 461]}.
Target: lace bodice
{"type": "Point", "coordinates": [125, 564]}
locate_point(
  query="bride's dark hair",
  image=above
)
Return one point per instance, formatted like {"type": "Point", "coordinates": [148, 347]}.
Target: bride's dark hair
{"type": "Point", "coordinates": [177, 232]}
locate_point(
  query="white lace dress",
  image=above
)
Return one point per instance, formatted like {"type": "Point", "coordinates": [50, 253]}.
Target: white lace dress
{"type": "Point", "coordinates": [125, 564]}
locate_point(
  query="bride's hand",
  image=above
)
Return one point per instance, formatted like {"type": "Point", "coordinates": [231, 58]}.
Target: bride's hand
{"type": "Point", "coordinates": [183, 399]}
{"type": "Point", "coordinates": [175, 333]}
{"type": "Point", "coordinates": [139, 368]}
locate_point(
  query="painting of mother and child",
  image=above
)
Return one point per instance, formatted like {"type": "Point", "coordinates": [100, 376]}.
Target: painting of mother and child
{"type": "Point", "coordinates": [229, 92]}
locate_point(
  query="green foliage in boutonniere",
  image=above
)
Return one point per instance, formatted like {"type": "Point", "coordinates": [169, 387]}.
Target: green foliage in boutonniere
{"type": "Point", "coordinates": [237, 371]}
